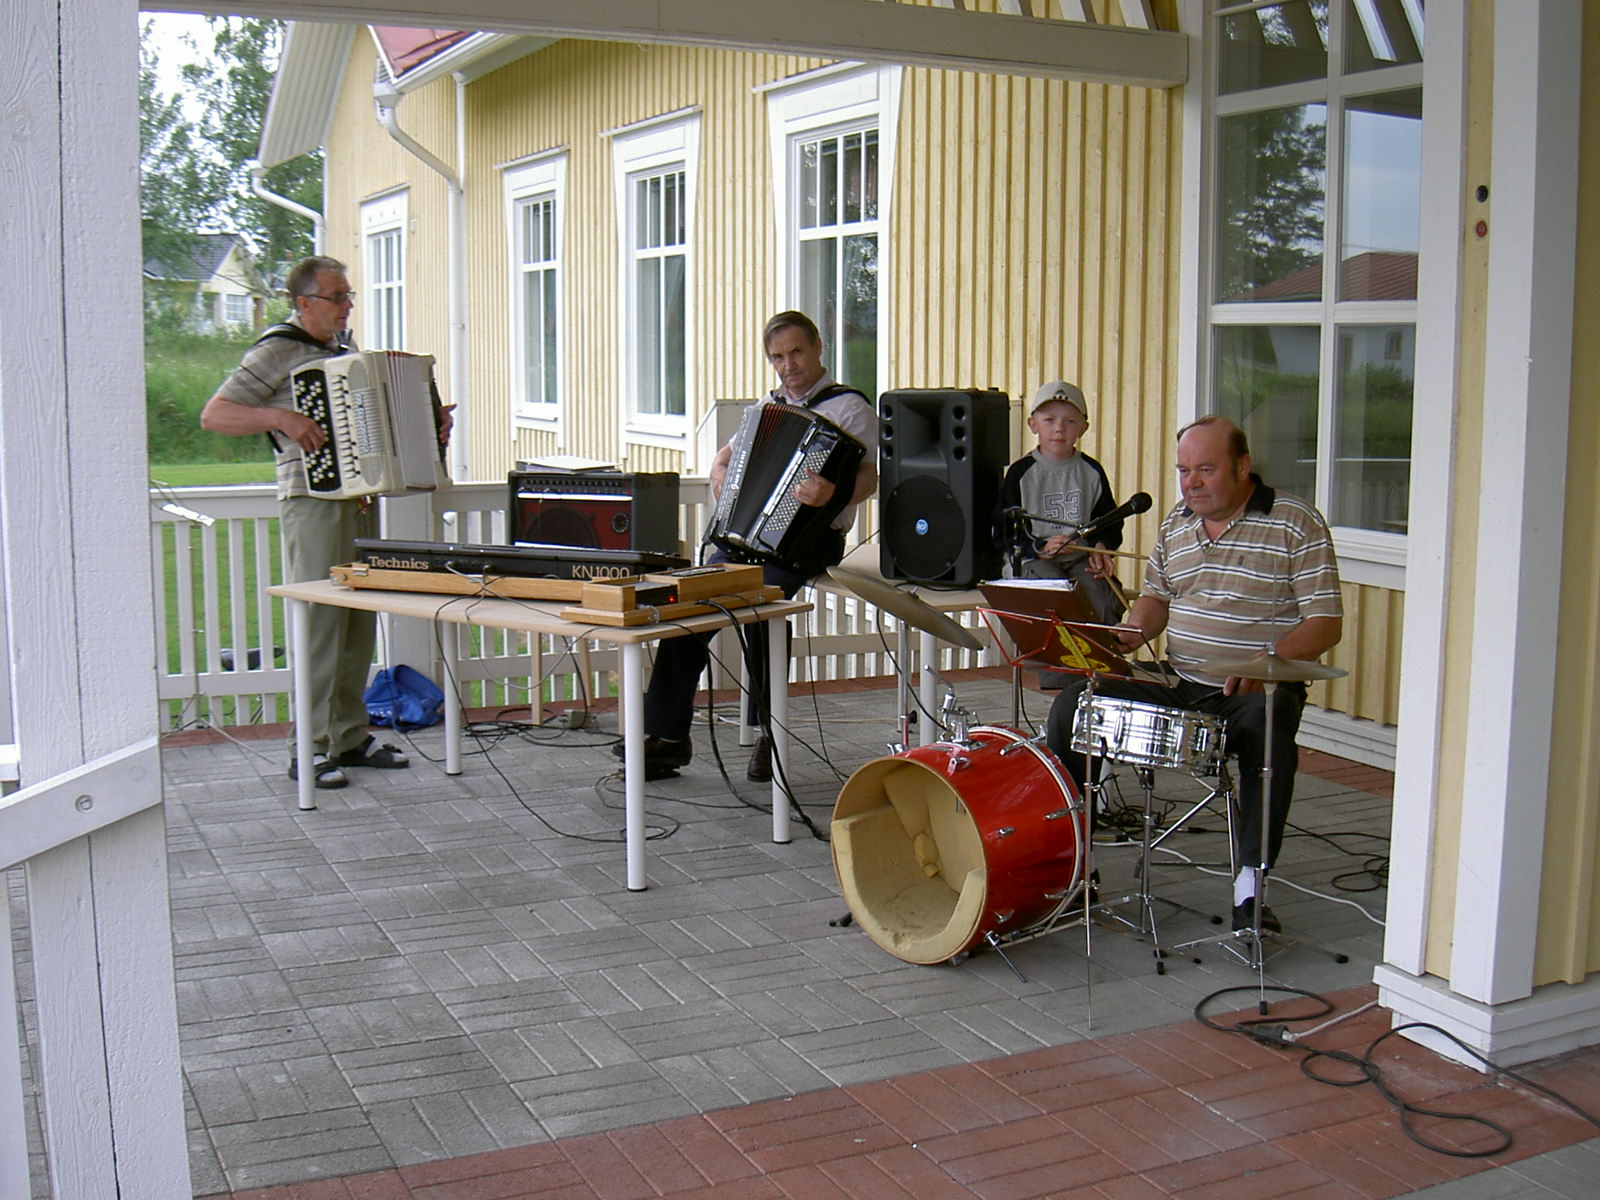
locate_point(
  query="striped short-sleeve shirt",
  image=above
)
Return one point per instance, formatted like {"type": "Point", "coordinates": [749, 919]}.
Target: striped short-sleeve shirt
{"type": "Point", "coordinates": [1236, 596]}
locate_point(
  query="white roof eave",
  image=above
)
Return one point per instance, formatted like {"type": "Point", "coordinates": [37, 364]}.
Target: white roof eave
{"type": "Point", "coordinates": [310, 72]}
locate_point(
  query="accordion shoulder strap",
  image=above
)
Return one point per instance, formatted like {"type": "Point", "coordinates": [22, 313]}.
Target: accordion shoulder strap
{"type": "Point", "coordinates": [836, 389]}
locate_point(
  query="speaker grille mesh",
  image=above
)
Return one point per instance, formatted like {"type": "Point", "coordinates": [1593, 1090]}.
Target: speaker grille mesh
{"type": "Point", "coordinates": [924, 527]}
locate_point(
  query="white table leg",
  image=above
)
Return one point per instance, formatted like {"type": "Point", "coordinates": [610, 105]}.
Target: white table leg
{"type": "Point", "coordinates": [633, 760]}
{"type": "Point", "coordinates": [299, 616]}
{"type": "Point", "coordinates": [454, 699]}
{"type": "Point", "coordinates": [778, 702]}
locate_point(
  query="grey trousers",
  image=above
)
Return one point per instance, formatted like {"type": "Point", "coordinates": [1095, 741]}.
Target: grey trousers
{"type": "Point", "coordinates": [318, 534]}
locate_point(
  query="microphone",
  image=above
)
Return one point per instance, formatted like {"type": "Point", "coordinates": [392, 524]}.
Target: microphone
{"type": "Point", "coordinates": [1137, 503]}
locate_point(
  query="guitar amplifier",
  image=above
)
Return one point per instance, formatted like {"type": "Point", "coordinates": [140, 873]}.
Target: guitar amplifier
{"type": "Point", "coordinates": [600, 510]}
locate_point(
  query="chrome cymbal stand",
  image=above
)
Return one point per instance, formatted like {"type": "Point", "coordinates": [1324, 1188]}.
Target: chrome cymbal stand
{"type": "Point", "coordinates": [1249, 945]}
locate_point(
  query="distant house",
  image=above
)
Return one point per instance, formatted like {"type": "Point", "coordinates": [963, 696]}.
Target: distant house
{"type": "Point", "coordinates": [219, 279]}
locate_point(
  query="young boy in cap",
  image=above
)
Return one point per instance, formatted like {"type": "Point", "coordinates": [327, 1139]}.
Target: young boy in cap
{"type": "Point", "coordinates": [1057, 486]}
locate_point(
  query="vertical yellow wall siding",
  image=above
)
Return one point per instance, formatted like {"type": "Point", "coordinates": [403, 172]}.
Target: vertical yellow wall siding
{"type": "Point", "coordinates": [1034, 238]}
{"type": "Point", "coordinates": [1569, 926]}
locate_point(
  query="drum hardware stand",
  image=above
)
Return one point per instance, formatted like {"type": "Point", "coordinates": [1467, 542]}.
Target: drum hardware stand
{"type": "Point", "coordinates": [1250, 945]}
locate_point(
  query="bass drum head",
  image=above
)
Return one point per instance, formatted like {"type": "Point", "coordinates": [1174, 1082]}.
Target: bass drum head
{"type": "Point", "coordinates": [940, 846]}
{"type": "Point", "coordinates": [909, 860]}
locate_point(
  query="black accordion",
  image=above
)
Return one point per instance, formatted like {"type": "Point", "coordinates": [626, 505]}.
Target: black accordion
{"type": "Point", "coordinates": [757, 518]}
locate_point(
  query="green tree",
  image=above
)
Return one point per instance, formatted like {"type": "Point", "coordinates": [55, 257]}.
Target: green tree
{"type": "Point", "coordinates": [195, 171]}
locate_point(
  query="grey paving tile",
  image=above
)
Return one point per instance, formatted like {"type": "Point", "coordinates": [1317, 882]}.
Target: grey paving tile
{"type": "Point", "coordinates": [227, 995]}
{"type": "Point", "coordinates": [604, 1098]}
{"type": "Point", "coordinates": [373, 1024]}
{"type": "Point", "coordinates": [473, 1121]}
{"type": "Point", "coordinates": [352, 982]}
{"type": "Point", "coordinates": [741, 1074]}
{"type": "Point", "coordinates": [537, 1051]}
{"type": "Point", "coordinates": [514, 1003]}
{"type": "Point", "coordinates": [413, 1069]}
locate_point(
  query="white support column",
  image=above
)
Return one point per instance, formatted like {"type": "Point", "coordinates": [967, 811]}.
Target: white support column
{"type": "Point", "coordinates": [77, 595]}
{"type": "Point", "coordinates": [1489, 1000]}
{"type": "Point", "coordinates": [1527, 391]}
{"type": "Point", "coordinates": [1433, 488]}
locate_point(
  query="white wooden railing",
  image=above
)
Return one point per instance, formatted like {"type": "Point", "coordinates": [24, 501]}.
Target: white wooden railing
{"type": "Point", "coordinates": [219, 637]}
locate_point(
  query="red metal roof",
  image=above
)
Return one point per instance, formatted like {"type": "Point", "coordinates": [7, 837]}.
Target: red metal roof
{"type": "Point", "coordinates": [407, 49]}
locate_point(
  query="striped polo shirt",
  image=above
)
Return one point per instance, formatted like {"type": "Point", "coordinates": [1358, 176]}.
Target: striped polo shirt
{"type": "Point", "coordinates": [1236, 596]}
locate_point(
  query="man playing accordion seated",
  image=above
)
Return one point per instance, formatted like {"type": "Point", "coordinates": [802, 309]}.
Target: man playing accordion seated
{"type": "Point", "coordinates": [793, 346]}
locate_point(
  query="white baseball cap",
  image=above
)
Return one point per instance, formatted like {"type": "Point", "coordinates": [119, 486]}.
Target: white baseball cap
{"type": "Point", "coordinates": [1060, 389]}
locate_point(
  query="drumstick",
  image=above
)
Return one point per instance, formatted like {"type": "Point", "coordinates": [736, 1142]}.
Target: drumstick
{"type": "Point", "coordinates": [1112, 553]}
{"type": "Point", "coordinates": [1116, 590]}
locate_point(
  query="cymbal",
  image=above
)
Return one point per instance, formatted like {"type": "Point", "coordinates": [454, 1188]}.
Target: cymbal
{"type": "Point", "coordinates": [1272, 668]}
{"type": "Point", "coordinates": [905, 606]}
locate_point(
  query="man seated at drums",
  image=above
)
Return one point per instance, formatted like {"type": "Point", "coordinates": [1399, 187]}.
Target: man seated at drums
{"type": "Point", "coordinates": [1238, 569]}
{"type": "Point", "coordinates": [1056, 487]}
{"type": "Point", "coordinates": [793, 346]}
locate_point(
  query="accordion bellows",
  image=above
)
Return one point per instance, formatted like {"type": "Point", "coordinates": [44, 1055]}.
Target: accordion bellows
{"type": "Point", "coordinates": [757, 518]}
{"type": "Point", "coordinates": [379, 410]}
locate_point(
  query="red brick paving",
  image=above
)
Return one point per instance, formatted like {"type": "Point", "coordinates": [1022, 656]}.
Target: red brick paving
{"type": "Point", "coordinates": [1185, 1111]}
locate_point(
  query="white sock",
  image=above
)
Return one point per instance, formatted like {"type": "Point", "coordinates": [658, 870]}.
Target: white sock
{"type": "Point", "coordinates": [1244, 886]}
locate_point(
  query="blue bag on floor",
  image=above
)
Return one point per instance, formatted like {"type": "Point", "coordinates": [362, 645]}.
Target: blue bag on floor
{"type": "Point", "coordinates": [403, 698]}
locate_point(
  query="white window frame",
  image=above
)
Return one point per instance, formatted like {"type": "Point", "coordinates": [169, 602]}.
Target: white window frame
{"type": "Point", "coordinates": [384, 218]}
{"type": "Point", "coordinates": [1365, 556]}
{"type": "Point", "coordinates": [838, 99]}
{"type": "Point", "coordinates": [231, 299]}
{"type": "Point", "coordinates": [652, 147]}
{"type": "Point", "coordinates": [539, 178]}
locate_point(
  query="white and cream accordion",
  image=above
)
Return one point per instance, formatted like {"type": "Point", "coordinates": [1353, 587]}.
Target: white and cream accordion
{"type": "Point", "coordinates": [380, 412]}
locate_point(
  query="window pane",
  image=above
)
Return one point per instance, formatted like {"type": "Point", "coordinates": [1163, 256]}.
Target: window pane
{"type": "Point", "coordinates": [1383, 197]}
{"type": "Point", "coordinates": [852, 177]}
{"type": "Point", "coordinates": [533, 322]}
{"type": "Point", "coordinates": [647, 291]}
{"type": "Point", "coordinates": [1270, 204]}
{"type": "Point", "coordinates": [819, 287]}
{"type": "Point", "coordinates": [1267, 383]}
{"type": "Point", "coordinates": [809, 184]}
{"type": "Point", "coordinates": [547, 336]}
{"type": "Point", "coordinates": [1274, 44]}
{"type": "Point", "coordinates": [828, 182]}
{"type": "Point", "coordinates": [672, 335]}
{"type": "Point", "coordinates": [1382, 33]}
{"type": "Point", "coordinates": [869, 182]}
{"type": "Point", "coordinates": [858, 356]}
{"type": "Point", "coordinates": [1372, 427]}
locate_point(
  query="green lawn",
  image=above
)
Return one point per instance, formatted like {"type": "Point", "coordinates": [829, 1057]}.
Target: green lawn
{"type": "Point", "coordinates": [210, 474]}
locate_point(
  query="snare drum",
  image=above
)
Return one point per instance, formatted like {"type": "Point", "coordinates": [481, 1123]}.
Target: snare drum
{"type": "Point", "coordinates": [1147, 735]}
{"type": "Point", "coordinates": [945, 846]}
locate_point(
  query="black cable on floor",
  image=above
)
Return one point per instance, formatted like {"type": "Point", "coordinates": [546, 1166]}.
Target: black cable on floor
{"type": "Point", "coordinates": [1272, 1031]}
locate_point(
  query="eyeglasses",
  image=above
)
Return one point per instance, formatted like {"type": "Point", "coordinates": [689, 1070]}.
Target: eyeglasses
{"type": "Point", "coordinates": [336, 298]}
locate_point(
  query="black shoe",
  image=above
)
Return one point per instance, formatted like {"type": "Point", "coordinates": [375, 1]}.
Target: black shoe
{"type": "Point", "coordinates": [759, 769]}
{"type": "Point", "coordinates": [370, 754]}
{"type": "Point", "coordinates": [660, 755]}
{"type": "Point", "coordinates": [1244, 917]}
{"type": "Point", "coordinates": [325, 771]}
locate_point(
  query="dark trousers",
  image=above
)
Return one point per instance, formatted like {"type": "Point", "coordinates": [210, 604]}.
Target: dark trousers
{"type": "Point", "coordinates": [1245, 717]}
{"type": "Point", "coordinates": [669, 698]}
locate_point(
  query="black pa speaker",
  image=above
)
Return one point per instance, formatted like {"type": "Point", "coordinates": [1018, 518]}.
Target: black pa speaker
{"type": "Point", "coordinates": [941, 456]}
{"type": "Point", "coordinates": [596, 510]}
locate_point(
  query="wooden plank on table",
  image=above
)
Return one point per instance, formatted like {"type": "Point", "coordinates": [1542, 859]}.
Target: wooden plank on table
{"type": "Point", "coordinates": [508, 587]}
{"type": "Point", "coordinates": [669, 612]}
